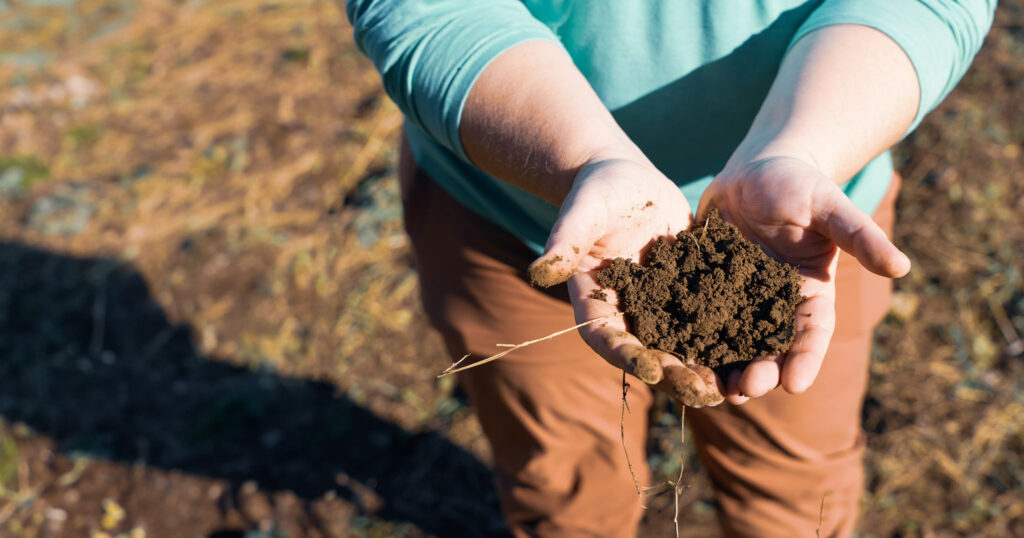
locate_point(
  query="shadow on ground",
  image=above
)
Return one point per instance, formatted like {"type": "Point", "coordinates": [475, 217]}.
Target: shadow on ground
{"type": "Point", "coordinates": [88, 358]}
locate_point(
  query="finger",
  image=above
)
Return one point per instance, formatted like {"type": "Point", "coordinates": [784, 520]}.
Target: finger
{"type": "Point", "coordinates": [623, 351]}
{"type": "Point", "coordinates": [609, 338]}
{"type": "Point", "coordinates": [710, 379]}
{"type": "Point", "coordinates": [737, 399]}
{"type": "Point", "coordinates": [815, 322]}
{"type": "Point", "coordinates": [760, 377]}
{"type": "Point", "coordinates": [733, 394]}
{"type": "Point", "coordinates": [578, 227]}
{"type": "Point", "coordinates": [853, 231]}
{"type": "Point", "coordinates": [708, 200]}
{"type": "Point", "coordinates": [686, 385]}
{"type": "Point", "coordinates": [707, 375]}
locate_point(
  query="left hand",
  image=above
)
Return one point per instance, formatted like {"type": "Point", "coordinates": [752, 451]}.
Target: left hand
{"type": "Point", "coordinates": [800, 216]}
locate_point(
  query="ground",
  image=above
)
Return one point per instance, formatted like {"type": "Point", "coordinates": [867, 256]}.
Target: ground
{"type": "Point", "coordinates": [209, 323]}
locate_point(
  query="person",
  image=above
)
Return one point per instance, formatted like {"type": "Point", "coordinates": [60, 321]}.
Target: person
{"type": "Point", "coordinates": [546, 127]}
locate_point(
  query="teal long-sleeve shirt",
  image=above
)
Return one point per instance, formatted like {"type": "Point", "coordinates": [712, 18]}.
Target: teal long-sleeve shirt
{"type": "Point", "coordinates": [684, 79]}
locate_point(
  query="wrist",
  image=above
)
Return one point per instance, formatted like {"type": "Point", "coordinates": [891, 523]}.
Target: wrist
{"type": "Point", "coordinates": [615, 147]}
{"type": "Point", "coordinates": [759, 147]}
{"type": "Point", "coordinates": [624, 184]}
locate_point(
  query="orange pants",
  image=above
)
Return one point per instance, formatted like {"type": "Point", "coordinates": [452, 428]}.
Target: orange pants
{"type": "Point", "coordinates": [551, 411]}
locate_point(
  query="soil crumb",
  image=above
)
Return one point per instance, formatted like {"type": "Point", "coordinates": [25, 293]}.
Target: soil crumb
{"type": "Point", "coordinates": [709, 295]}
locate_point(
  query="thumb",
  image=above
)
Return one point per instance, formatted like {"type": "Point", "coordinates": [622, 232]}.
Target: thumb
{"type": "Point", "coordinates": [708, 200]}
{"type": "Point", "coordinates": [853, 231]}
{"type": "Point", "coordinates": [578, 227]}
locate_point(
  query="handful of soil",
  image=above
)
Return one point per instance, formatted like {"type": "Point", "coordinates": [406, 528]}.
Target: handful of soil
{"type": "Point", "coordinates": [711, 295]}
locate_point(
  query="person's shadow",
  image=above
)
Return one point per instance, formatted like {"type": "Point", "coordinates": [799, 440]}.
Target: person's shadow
{"type": "Point", "coordinates": [88, 358]}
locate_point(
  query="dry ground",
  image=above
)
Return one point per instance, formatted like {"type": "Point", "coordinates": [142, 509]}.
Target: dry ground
{"type": "Point", "coordinates": [209, 321]}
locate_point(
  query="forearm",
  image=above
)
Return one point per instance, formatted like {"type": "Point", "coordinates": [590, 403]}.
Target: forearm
{"type": "Point", "coordinates": [843, 95]}
{"type": "Point", "coordinates": [533, 120]}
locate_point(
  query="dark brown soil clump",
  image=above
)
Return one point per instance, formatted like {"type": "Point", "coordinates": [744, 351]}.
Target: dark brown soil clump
{"type": "Point", "coordinates": [710, 295]}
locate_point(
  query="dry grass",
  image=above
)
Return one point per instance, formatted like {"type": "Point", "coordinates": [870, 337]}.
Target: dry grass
{"type": "Point", "coordinates": [946, 397]}
{"type": "Point", "coordinates": [218, 148]}
{"type": "Point", "coordinates": [241, 156]}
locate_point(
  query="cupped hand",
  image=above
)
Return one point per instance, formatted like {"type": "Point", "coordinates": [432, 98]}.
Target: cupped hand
{"type": "Point", "coordinates": [798, 215]}
{"type": "Point", "coordinates": [616, 208]}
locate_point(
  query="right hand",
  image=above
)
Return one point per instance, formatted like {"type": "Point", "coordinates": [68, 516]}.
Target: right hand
{"type": "Point", "coordinates": [616, 209]}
